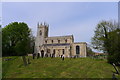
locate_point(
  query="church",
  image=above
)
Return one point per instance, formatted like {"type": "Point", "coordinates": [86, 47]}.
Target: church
{"type": "Point", "coordinates": [57, 45]}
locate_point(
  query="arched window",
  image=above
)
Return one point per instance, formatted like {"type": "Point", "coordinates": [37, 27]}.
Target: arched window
{"type": "Point", "coordinates": [63, 51]}
{"type": "Point", "coordinates": [52, 41]}
{"type": "Point", "coordinates": [77, 49]}
{"type": "Point", "coordinates": [42, 53]}
{"type": "Point", "coordinates": [54, 51]}
{"type": "Point", "coordinates": [40, 32]}
{"type": "Point", "coordinates": [58, 41]}
{"type": "Point", "coordinates": [46, 41]}
{"type": "Point", "coordinates": [66, 41]}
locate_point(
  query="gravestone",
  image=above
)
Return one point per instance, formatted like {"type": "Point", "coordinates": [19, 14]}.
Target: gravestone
{"type": "Point", "coordinates": [117, 72]}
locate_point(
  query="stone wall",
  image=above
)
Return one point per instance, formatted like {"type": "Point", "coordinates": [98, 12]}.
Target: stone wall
{"type": "Point", "coordinates": [59, 50]}
{"type": "Point", "coordinates": [59, 39]}
{"type": "Point", "coordinates": [82, 46]}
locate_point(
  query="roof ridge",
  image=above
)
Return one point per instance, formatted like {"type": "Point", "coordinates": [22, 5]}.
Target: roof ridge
{"type": "Point", "coordinates": [61, 36]}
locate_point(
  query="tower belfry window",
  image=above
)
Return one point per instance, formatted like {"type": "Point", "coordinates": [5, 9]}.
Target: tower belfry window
{"type": "Point", "coordinates": [40, 32]}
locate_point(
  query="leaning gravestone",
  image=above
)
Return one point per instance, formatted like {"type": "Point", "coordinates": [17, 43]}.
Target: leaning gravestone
{"type": "Point", "coordinates": [117, 72]}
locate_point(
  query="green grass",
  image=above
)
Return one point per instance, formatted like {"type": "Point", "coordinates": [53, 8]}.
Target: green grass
{"type": "Point", "coordinates": [56, 68]}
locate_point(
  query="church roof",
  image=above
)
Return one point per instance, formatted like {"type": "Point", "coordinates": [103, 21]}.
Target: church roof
{"type": "Point", "coordinates": [64, 44]}
{"type": "Point", "coordinates": [60, 36]}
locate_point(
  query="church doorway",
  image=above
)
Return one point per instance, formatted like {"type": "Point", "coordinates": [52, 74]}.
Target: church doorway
{"type": "Point", "coordinates": [42, 53]}
{"type": "Point", "coordinates": [54, 53]}
{"type": "Point", "coordinates": [63, 51]}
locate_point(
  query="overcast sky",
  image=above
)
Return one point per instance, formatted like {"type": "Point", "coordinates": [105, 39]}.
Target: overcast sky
{"type": "Point", "coordinates": [64, 18]}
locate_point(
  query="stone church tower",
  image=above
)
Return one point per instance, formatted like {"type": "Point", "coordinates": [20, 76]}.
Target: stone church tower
{"type": "Point", "coordinates": [42, 33]}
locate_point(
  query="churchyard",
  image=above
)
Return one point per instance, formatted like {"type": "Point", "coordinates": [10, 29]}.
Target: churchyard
{"type": "Point", "coordinates": [47, 67]}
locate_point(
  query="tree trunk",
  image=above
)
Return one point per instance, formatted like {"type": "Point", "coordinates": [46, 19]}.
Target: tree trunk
{"type": "Point", "coordinates": [24, 60]}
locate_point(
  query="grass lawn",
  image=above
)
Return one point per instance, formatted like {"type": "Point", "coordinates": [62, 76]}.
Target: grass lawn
{"type": "Point", "coordinates": [56, 68]}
